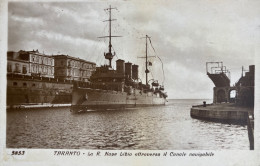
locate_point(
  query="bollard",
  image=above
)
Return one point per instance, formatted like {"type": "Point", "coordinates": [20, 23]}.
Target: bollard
{"type": "Point", "coordinates": [204, 103]}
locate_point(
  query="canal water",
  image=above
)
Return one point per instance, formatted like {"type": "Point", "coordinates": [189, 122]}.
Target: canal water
{"type": "Point", "coordinates": [167, 127]}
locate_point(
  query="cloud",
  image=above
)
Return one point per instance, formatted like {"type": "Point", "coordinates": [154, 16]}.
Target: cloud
{"type": "Point", "coordinates": [53, 36]}
{"type": "Point", "coordinates": [28, 20]}
{"type": "Point", "coordinates": [185, 34]}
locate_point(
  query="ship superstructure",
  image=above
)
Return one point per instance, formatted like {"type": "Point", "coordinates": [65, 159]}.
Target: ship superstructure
{"type": "Point", "coordinates": [117, 88]}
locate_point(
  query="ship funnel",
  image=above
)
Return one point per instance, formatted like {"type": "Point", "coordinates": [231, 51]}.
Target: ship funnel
{"type": "Point", "coordinates": [120, 66]}
{"type": "Point", "coordinates": [128, 70]}
{"type": "Point", "coordinates": [135, 72]}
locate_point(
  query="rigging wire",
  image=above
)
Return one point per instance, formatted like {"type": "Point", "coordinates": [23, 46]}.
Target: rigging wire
{"type": "Point", "coordinates": [137, 36]}
{"type": "Point", "coordinates": [159, 59]}
{"type": "Point", "coordinates": [114, 51]}
{"type": "Point", "coordinates": [116, 29]}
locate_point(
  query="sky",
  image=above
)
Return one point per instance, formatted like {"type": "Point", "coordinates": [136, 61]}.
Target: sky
{"type": "Point", "coordinates": [185, 35]}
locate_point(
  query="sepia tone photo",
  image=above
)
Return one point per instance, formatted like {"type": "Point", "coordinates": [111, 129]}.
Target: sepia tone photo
{"type": "Point", "coordinates": [127, 75]}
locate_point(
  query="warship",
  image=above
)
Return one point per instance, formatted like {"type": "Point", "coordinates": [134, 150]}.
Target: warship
{"type": "Point", "coordinates": [118, 88]}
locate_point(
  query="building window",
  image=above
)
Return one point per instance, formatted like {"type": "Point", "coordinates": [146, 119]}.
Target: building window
{"type": "Point", "coordinates": [72, 71]}
{"type": "Point", "coordinates": [24, 69]}
{"type": "Point", "coordinates": [14, 83]}
{"type": "Point", "coordinates": [9, 68]}
{"type": "Point", "coordinates": [24, 84]}
{"type": "Point", "coordinates": [33, 85]}
{"type": "Point", "coordinates": [17, 68]}
{"type": "Point", "coordinates": [42, 69]}
{"type": "Point", "coordinates": [33, 68]}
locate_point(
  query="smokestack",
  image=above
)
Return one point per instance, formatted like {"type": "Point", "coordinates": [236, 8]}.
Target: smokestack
{"type": "Point", "coordinates": [128, 70]}
{"type": "Point", "coordinates": [135, 72]}
{"type": "Point", "coordinates": [120, 66]}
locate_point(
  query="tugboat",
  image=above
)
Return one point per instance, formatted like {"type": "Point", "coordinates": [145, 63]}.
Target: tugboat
{"type": "Point", "coordinates": [110, 88]}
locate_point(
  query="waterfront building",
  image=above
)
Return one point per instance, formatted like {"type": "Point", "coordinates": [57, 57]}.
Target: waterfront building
{"type": "Point", "coordinates": [17, 64]}
{"type": "Point", "coordinates": [30, 63]}
{"type": "Point", "coordinates": [71, 68]}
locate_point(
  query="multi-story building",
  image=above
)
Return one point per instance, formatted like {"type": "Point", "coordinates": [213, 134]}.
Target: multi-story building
{"type": "Point", "coordinates": [17, 64]}
{"type": "Point", "coordinates": [31, 63]}
{"type": "Point", "coordinates": [71, 68]}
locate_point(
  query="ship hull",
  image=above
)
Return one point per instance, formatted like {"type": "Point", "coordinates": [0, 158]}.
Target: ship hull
{"type": "Point", "coordinates": [87, 98]}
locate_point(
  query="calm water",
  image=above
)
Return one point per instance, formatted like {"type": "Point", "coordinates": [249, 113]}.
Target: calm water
{"type": "Point", "coordinates": [154, 128]}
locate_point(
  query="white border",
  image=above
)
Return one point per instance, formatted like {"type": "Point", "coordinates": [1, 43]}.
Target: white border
{"type": "Point", "coordinates": [47, 157]}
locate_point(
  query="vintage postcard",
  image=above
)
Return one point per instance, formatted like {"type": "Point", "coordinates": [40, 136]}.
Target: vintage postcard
{"type": "Point", "coordinates": [172, 82]}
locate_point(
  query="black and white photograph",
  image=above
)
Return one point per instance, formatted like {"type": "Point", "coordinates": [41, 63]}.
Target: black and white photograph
{"type": "Point", "coordinates": [130, 78]}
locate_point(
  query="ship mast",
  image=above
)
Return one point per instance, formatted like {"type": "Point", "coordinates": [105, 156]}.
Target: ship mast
{"type": "Point", "coordinates": [146, 69]}
{"type": "Point", "coordinates": [146, 58]}
{"type": "Point", "coordinates": [109, 54]}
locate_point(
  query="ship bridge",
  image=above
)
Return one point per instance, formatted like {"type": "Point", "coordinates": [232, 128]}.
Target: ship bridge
{"type": "Point", "coordinates": [218, 73]}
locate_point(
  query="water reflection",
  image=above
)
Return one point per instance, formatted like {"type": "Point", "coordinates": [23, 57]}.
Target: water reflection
{"type": "Point", "coordinates": [167, 127]}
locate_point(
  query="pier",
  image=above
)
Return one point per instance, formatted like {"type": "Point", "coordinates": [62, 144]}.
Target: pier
{"type": "Point", "coordinates": [225, 112]}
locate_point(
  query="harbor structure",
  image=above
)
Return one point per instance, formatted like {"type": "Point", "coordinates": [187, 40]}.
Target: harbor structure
{"type": "Point", "coordinates": [238, 109]}
{"type": "Point", "coordinates": [225, 107]}
{"type": "Point", "coordinates": [243, 88]}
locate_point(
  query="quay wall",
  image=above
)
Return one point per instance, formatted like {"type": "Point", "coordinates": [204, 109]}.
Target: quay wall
{"type": "Point", "coordinates": [30, 106]}
{"type": "Point", "coordinates": [206, 113]}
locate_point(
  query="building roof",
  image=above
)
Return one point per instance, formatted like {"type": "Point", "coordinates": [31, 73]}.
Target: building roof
{"type": "Point", "coordinates": [35, 52]}
{"type": "Point", "coordinates": [70, 57]}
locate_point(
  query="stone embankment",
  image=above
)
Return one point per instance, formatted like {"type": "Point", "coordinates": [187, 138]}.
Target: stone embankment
{"type": "Point", "coordinates": [45, 105]}
{"type": "Point", "coordinates": [224, 112]}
